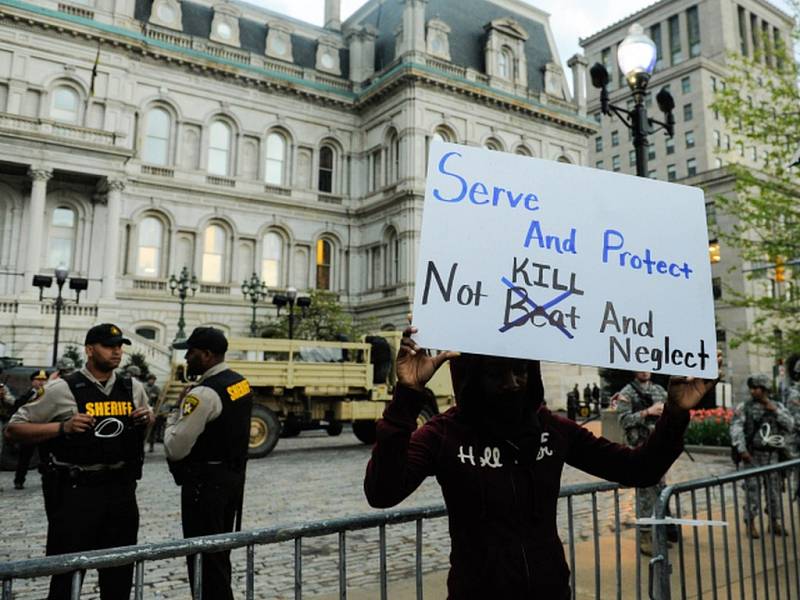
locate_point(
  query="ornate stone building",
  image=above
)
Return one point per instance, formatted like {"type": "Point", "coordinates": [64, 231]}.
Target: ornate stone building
{"type": "Point", "coordinates": [141, 136]}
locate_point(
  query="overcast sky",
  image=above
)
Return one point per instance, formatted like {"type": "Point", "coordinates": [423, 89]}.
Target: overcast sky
{"type": "Point", "coordinates": [569, 19]}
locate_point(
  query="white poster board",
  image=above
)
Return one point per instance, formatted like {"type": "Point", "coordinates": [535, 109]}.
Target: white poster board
{"type": "Point", "coordinates": [528, 258]}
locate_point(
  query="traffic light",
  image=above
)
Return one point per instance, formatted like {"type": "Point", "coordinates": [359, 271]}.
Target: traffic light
{"type": "Point", "coordinates": [780, 273]}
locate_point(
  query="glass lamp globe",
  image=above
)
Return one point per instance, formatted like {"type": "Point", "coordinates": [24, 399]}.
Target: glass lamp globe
{"type": "Point", "coordinates": [636, 56]}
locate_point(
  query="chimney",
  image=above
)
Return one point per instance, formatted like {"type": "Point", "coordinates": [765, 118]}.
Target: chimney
{"type": "Point", "coordinates": [333, 15]}
{"type": "Point", "coordinates": [578, 64]}
{"type": "Point", "coordinates": [361, 42]}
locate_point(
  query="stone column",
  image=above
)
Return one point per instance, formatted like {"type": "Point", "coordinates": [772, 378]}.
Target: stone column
{"type": "Point", "coordinates": [40, 177]}
{"type": "Point", "coordinates": [110, 258]}
{"type": "Point", "coordinates": [578, 64]}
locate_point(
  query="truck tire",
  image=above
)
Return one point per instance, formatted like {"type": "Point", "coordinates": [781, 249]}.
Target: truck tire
{"type": "Point", "coordinates": [364, 431]}
{"type": "Point", "coordinates": [334, 428]}
{"type": "Point", "coordinates": [265, 429]}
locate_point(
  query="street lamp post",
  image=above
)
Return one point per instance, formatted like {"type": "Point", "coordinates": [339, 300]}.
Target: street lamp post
{"type": "Point", "coordinates": [291, 299]}
{"type": "Point", "coordinates": [254, 290]}
{"type": "Point", "coordinates": [77, 284]}
{"type": "Point", "coordinates": [637, 59]}
{"type": "Point", "coordinates": [182, 284]}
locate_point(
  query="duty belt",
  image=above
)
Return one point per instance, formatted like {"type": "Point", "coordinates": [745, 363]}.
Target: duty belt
{"type": "Point", "coordinates": [86, 468]}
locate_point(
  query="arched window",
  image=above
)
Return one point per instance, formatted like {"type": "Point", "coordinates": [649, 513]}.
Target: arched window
{"type": "Point", "coordinates": [564, 159]}
{"type": "Point", "coordinates": [505, 63]}
{"type": "Point", "coordinates": [271, 259]}
{"type": "Point", "coordinates": [62, 237]}
{"type": "Point", "coordinates": [148, 333]}
{"type": "Point", "coordinates": [523, 151]}
{"type": "Point", "coordinates": [219, 148]}
{"type": "Point", "coordinates": [442, 135]}
{"type": "Point", "coordinates": [326, 169]}
{"type": "Point", "coordinates": [148, 254]}
{"type": "Point", "coordinates": [393, 160]}
{"type": "Point", "coordinates": [276, 159]}
{"type": "Point", "coordinates": [156, 138]}
{"type": "Point", "coordinates": [213, 254]}
{"type": "Point", "coordinates": [66, 104]}
{"type": "Point", "coordinates": [324, 264]}
{"type": "Point", "coordinates": [493, 144]}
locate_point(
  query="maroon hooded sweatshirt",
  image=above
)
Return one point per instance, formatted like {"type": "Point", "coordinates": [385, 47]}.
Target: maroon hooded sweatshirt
{"type": "Point", "coordinates": [501, 490]}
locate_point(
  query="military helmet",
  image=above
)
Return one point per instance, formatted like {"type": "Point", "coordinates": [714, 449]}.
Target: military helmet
{"type": "Point", "coordinates": [65, 365]}
{"type": "Point", "coordinates": [759, 380]}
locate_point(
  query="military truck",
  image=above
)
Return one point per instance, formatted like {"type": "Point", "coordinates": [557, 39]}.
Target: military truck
{"type": "Point", "coordinates": [300, 385]}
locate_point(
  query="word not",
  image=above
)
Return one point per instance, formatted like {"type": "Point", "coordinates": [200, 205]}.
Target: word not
{"type": "Point", "coordinates": [550, 242]}
{"type": "Point", "coordinates": [466, 293]}
{"type": "Point", "coordinates": [628, 325]}
{"type": "Point", "coordinates": [538, 271]}
{"type": "Point", "coordinates": [479, 194]}
{"type": "Point", "coordinates": [108, 408]}
{"type": "Point", "coordinates": [656, 357]}
{"type": "Point", "coordinates": [490, 458]}
{"type": "Point", "coordinates": [614, 240]}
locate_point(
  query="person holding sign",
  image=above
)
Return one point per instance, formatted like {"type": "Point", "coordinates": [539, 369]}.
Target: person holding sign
{"type": "Point", "coordinates": [498, 456]}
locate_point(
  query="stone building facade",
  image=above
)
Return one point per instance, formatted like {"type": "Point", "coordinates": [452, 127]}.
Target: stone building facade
{"type": "Point", "coordinates": [141, 136]}
{"type": "Point", "coordinates": [694, 40]}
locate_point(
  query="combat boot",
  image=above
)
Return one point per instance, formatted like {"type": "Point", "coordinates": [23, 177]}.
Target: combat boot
{"type": "Point", "coordinates": [646, 543]}
{"type": "Point", "coordinates": [752, 530]}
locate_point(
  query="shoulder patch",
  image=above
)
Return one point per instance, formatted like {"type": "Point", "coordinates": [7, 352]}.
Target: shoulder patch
{"type": "Point", "coordinates": [40, 392]}
{"type": "Point", "coordinates": [189, 404]}
{"type": "Point", "coordinates": [238, 390]}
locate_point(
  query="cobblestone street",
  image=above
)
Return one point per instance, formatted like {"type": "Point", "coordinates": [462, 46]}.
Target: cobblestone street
{"type": "Point", "coordinates": [310, 477]}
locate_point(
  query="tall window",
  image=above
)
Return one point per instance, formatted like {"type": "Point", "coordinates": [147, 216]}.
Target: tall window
{"type": "Point", "coordinates": [324, 264]}
{"type": "Point", "coordinates": [693, 25]}
{"type": "Point", "coordinates": [691, 167]}
{"type": "Point", "coordinates": [615, 138]}
{"type": "Point", "coordinates": [686, 84]}
{"type": "Point", "coordinates": [687, 112]}
{"type": "Point", "coordinates": [148, 258]}
{"type": "Point", "coordinates": [219, 148]}
{"type": "Point", "coordinates": [393, 161]}
{"type": "Point", "coordinates": [605, 59]}
{"type": "Point", "coordinates": [669, 143]}
{"type": "Point", "coordinates": [690, 139]}
{"type": "Point", "coordinates": [505, 63]}
{"type": "Point", "coordinates": [598, 143]}
{"type": "Point", "coordinates": [742, 32]}
{"type": "Point", "coordinates": [62, 238]}
{"type": "Point", "coordinates": [276, 159]}
{"type": "Point", "coordinates": [675, 52]}
{"type": "Point", "coordinates": [655, 35]}
{"type": "Point", "coordinates": [66, 104]}
{"type": "Point", "coordinates": [213, 254]}
{"type": "Point", "coordinates": [156, 138]}
{"type": "Point", "coordinates": [271, 259]}
{"type": "Point", "coordinates": [326, 169]}
{"type": "Point", "coordinates": [375, 170]}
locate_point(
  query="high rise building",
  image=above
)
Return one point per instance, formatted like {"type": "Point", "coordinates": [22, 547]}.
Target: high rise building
{"type": "Point", "coordinates": [694, 42]}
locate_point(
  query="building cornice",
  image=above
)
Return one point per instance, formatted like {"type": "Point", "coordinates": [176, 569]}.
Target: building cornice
{"type": "Point", "coordinates": [400, 73]}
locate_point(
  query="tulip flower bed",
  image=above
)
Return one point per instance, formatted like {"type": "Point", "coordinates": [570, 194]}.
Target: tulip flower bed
{"type": "Point", "coordinates": [709, 427]}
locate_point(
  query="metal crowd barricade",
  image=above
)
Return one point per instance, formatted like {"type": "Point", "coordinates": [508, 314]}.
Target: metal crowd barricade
{"type": "Point", "coordinates": [721, 559]}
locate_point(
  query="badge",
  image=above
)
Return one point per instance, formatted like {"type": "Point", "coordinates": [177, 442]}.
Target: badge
{"type": "Point", "coordinates": [189, 404]}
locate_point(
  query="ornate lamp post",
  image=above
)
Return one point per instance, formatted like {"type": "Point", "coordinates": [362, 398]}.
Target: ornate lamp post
{"type": "Point", "coordinates": [254, 290]}
{"type": "Point", "coordinates": [77, 284]}
{"type": "Point", "coordinates": [182, 285]}
{"type": "Point", "coordinates": [291, 300]}
{"type": "Point", "coordinates": [637, 58]}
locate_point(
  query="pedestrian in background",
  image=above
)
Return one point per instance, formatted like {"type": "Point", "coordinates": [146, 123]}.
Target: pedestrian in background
{"type": "Point", "coordinates": [207, 452]}
{"type": "Point", "coordinates": [92, 425]}
{"type": "Point", "coordinates": [639, 406]}
{"type": "Point", "coordinates": [38, 379]}
{"type": "Point", "coordinates": [760, 430]}
{"type": "Point", "coordinates": [153, 393]}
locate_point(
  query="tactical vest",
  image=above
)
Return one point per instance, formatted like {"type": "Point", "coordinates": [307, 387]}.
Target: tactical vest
{"type": "Point", "coordinates": [226, 438]}
{"type": "Point", "coordinates": [114, 437]}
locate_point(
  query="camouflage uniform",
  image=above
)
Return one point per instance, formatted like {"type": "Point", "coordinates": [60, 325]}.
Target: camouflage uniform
{"type": "Point", "coordinates": [746, 429]}
{"type": "Point", "coordinates": [634, 398]}
{"type": "Point", "coordinates": [793, 404]}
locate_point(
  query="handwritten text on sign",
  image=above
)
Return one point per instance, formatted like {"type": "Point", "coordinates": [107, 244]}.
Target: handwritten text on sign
{"type": "Point", "coordinates": [537, 259]}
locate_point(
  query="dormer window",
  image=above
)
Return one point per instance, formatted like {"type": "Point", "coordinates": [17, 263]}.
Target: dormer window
{"type": "Point", "coordinates": [438, 40]}
{"type": "Point", "coordinates": [167, 13]}
{"type": "Point", "coordinates": [225, 26]}
{"type": "Point", "coordinates": [328, 56]}
{"type": "Point", "coordinates": [505, 52]}
{"type": "Point", "coordinates": [279, 41]}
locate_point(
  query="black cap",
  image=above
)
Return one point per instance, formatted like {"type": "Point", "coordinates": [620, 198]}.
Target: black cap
{"type": "Point", "coordinates": [205, 338]}
{"type": "Point", "coordinates": [107, 335]}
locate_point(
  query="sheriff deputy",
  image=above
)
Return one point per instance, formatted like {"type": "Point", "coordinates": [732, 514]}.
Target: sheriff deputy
{"type": "Point", "coordinates": [207, 451]}
{"type": "Point", "coordinates": [91, 424]}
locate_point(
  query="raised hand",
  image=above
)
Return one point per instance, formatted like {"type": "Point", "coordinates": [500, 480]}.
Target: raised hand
{"type": "Point", "coordinates": [415, 366]}
{"type": "Point", "coordinates": [686, 392]}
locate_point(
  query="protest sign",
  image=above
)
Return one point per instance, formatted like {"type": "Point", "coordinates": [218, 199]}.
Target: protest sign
{"type": "Point", "coordinates": [529, 258]}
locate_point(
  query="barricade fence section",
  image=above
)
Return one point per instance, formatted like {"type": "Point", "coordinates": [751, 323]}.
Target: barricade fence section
{"type": "Point", "coordinates": [596, 522]}
{"type": "Point", "coordinates": [738, 536]}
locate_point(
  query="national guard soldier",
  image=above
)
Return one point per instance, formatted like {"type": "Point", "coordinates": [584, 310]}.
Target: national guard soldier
{"type": "Point", "coordinates": [639, 405]}
{"type": "Point", "coordinates": [92, 425]}
{"type": "Point", "coordinates": [207, 451]}
{"type": "Point", "coordinates": [759, 431]}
